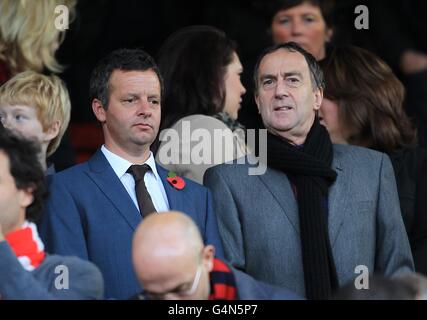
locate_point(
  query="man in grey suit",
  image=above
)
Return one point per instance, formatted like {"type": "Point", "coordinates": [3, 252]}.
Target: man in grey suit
{"type": "Point", "coordinates": [321, 213]}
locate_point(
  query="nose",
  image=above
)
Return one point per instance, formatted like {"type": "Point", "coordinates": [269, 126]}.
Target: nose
{"type": "Point", "coordinates": [242, 89]}
{"type": "Point", "coordinates": [144, 108]}
{"type": "Point", "coordinates": [281, 89]}
{"type": "Point", "coordinates": [297, 27]}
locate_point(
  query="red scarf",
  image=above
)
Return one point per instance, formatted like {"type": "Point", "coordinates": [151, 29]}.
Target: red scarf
{"type": "Point", "coordinates": [27, 246]}
{"type": "Point", "coordinates": [223, 285]}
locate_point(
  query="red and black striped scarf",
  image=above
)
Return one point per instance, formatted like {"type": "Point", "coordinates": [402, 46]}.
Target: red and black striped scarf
{"type": "Point", "coordinates": [223, 285]}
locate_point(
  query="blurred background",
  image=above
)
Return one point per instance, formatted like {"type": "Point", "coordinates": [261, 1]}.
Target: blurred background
{"type": "Point", "coordinates": [101, 26]}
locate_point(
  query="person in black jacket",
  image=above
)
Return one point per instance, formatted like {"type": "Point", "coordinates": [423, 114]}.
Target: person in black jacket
{"type": "Point", "coordinates": [363, 105]}
{"type": "Point", "coordinates": [399, 28]}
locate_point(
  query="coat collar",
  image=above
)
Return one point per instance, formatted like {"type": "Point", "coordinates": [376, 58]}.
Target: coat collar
{"type": "Point", "coordinates": [103, 175]}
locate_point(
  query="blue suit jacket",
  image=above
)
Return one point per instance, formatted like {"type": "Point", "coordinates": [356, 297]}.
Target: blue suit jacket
{"type": "Point", "coordinates": [89, 214]}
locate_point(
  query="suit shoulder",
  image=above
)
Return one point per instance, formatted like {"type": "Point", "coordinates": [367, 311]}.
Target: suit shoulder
{"type": "Point", "coordinates": [350, 153]}
{"type": "Point", "coordinates": [73, 172]}
{"type": "Point", "coordinates": [193, 185]}
{"type": "Point", "coordinates": [237, 166]}
{"type": "Point", "coordinates": [85, 279]}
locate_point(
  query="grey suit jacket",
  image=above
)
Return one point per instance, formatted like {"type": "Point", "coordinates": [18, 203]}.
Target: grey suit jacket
{"type": "Point", "coordinates": [259, 222]}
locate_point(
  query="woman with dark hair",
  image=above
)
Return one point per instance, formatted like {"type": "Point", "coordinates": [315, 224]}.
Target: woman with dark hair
{"type": "Point", "coordinates": [363, 105]}
{"type": "Point", "coordinates": [203, 91]}
{"type": "Point", "coordinates": [306, 22]}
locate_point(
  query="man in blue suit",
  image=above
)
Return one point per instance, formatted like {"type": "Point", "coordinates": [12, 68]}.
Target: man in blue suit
{"type": "Point", "coordinates": [321, 212]}
{"type": "Point", "coordinates": [94, 207]}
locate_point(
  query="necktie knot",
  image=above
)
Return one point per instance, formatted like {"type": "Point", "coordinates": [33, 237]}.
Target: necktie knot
{"type": "Point", "coordinates": [138, 171]}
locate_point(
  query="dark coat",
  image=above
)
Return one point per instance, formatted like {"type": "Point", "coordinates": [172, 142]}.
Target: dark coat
{"type": "Point", "coordinates": [410, 166]}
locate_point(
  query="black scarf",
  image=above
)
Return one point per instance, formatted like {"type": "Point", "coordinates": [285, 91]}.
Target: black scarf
{"type": "Point", "coordinates": [309, 168]}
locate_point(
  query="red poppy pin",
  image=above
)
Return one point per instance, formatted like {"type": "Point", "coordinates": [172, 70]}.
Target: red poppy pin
{"type": "Point", "coordinates": [176, 181]}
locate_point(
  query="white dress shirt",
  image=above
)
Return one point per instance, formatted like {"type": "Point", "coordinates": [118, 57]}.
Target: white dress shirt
{"type": "Point", "coordinates": [152, 180]}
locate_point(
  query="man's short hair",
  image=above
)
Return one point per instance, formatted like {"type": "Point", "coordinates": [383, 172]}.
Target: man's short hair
{"type": "Point", "coordinates": [47, 94]}
{"type": "Point", "coordinates": [316, 74]}
{"type": "Point", "coordinates": [25, 169]}
{"type": "Point", "coordinates": [124, 60]}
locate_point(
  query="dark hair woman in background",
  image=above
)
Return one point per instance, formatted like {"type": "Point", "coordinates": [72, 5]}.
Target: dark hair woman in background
{"type": "Point", "coordinates": [363, 105]}
{"type": "Point", "coordinates": [201, 71]}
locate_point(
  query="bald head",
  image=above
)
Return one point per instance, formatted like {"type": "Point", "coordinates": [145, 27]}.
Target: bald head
{"type": "Point", "coordinates": [167, 235]}
{"type": "Point", "coordinates": [168, 253]}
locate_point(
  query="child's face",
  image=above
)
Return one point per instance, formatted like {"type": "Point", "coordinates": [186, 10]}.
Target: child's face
{"type": "Point", "coordinates": [23, 119]}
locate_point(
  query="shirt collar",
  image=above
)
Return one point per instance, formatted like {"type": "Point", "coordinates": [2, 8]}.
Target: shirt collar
{"type": "Point", "coordinates": [120, 165]}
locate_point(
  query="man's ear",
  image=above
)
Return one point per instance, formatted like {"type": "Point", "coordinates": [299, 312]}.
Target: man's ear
{"type": "Point", "coordinates": [53, 131]}
{"type": "Point", "coordinates": [208, 256]}
{"type": "Point", "coordinates": [26, 197]}
{"type": "Point", "coordinates": [318, 97]}
{"type": "Point", "coordinates": [98, 110]}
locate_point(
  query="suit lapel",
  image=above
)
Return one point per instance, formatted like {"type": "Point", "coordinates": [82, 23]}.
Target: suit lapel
{"type": "Point", "coordinates": [277, 183]}
{"type": "Point", "coordinates": [337, 200]}
{"type": "Point", "coordinates": [107, 181]}
{"type": "Point", "coordinates": [279, 186]}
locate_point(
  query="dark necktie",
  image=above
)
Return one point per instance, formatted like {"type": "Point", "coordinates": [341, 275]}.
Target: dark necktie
{"type": "Point", "coordinates": [145, 203]}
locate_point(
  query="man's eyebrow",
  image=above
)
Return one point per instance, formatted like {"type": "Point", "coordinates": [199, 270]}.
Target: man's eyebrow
{"type": "Point", "coordinates": [293, 73]}
{"type": "Point", "coordinates": [267, 76]}
{"type": "Point", "coordinates": [131, 94]}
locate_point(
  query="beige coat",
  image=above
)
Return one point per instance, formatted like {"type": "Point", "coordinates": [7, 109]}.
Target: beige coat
{"type": "Point", "coordinates": [196, 143]}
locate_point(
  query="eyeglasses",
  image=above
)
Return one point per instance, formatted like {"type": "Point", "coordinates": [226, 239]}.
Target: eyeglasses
{"type": "Point", "coordinates": [182, 294]}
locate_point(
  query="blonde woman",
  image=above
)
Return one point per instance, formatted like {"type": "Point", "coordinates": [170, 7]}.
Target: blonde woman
{"type": "Point", "coordinates": [38, 107]}
{"type": "Point", "coordinates": [28, 36]}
